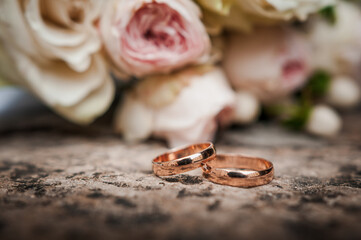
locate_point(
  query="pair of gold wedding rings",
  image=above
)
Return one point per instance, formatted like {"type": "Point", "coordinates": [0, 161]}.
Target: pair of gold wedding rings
{"type": "Point", "coordinates": [225, 169]}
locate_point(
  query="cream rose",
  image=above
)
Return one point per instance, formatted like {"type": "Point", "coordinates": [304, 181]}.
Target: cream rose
{"type": "Point", "coordinates": [221, 7]}
{"type": "Point", "coordinates": [337, 47]}
{"type": "Point", "coordinates": [270, 10]}
{"type": "Point", "coordinates": [52, 48]}
{"type": "Point", "coordinates": [145, 37]}
{"type": "Point", "coordinates": [182, 108]}
{"type": "Point", "coordinates": [244, 15]}
{"type": "Point", "coordinates": [270, 63]}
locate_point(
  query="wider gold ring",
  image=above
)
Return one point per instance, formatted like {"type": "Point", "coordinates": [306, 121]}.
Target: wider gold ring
{"type": "Point", "coordinates": [238, 170]}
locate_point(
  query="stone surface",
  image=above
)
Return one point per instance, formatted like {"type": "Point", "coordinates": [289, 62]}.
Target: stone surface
{"type": "Point", "coordinates": [62, 182]}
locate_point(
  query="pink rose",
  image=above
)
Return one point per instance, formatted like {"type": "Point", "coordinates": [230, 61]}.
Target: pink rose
{"type": "Point", "coordinates": [270, 63]}
{"type": "Point", "coordinates": [182, 108]}
{"type": "Point", "coordinates": [145, 37]}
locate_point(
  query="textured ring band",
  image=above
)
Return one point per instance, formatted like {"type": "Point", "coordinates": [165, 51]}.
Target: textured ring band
{"type": "Point", "coordinates": [238, 171]}
{"type": "Point", "coordinates": [183, 159]}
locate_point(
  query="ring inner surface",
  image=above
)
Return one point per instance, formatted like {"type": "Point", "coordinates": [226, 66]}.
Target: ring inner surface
{"type": "Point", "coordinates": [237, 163]}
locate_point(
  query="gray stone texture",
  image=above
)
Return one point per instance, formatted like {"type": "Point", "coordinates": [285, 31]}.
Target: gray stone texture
{"type": "Point", "coordinates": [58, 181]}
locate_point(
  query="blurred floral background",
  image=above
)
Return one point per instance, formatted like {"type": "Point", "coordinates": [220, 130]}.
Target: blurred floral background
{"type": "Point", "coordinates": [185, 69]}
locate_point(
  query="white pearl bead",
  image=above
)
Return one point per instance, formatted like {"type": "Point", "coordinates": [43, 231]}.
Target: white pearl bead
{"type": "Point", "coordinates": [343, 92]}
{"type": "Point", "coordinates": [323, 121]}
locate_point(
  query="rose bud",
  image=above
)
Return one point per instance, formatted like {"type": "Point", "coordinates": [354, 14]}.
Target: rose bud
{"type": "Point", "coordinates": [337, 46]}
{"type": "Point", "coordinates": [323, 121]}
{"type": "Point", "coordinates": [271, 63]}
{"type": "Point", "coordinates": [185, 107]}
{"type": "Point", "coordinates": [343, 92]}
{"type": "Point", "coordinates": [149, 37]}
{"type": "Point", "coordinates": [247, 108]}
{"type": "Point", "coordinates": [53, 49]}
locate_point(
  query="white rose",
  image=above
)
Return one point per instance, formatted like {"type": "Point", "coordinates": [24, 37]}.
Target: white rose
{"type": "Point", "coordinates": [337, 47]}
{"type": "Point", "coordinates": [52, 48]}
{"type": "Point", "coordinates": [182, 108]}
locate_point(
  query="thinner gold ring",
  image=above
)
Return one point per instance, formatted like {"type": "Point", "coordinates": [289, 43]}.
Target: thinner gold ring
{"type": "Point", "coordinates": [183, 159]}
{"type": "Point", "coordinates": [238, 170]}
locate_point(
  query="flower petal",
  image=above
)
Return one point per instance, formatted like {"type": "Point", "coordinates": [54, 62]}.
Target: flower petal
{"type": "Point", "coordinates": [14, 29]}
{"type": "Point", "coordinates": [145, 37]}
{"type": "Point", "coordinates": [196, 106]}
{"type": "Point", "coordinates": [72, 44]}
{"type": "Point", "coordinates": [56, 83]}
{"type": "Point", "coordinates": [91, 107]}
{"type": "Point", "coordinates": [133, 119]}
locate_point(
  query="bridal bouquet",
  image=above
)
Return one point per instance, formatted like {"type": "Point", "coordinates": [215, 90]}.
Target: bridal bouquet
{"type": "Point", "coordinates": [187, 68]}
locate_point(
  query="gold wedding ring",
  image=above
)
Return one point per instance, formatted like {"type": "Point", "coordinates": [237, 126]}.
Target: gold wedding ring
{"type": "Point", "coordinates": [183, 159]}
{"type": "Point", "coordinates": [225, 169]}
{"type": "Point", "coordinates": [238, 170]}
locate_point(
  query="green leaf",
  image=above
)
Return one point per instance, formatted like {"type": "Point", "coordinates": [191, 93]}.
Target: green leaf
{"type": "Point", "coordinates": [298, 116]}
{"type": "Point", "coordinates": [317, 85]}
{"type": "Point", "coordinates": [293, 115]}
{"type": "Point", "coordinates": [329, 14]}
